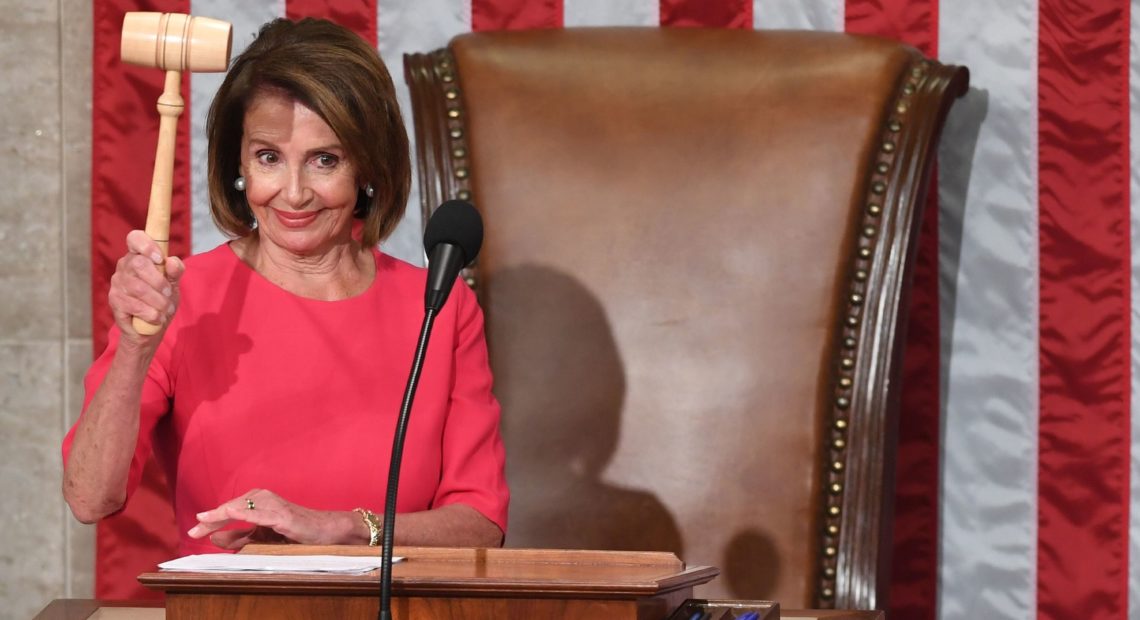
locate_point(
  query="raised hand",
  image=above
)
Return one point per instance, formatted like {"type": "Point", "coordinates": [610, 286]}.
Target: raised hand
{"type": "Point", "coordinates": [140, 289]}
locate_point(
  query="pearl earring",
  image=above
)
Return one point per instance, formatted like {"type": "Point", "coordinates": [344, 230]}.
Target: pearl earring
{"type": "Point", "coordinates": [239, 184]}
{"type": "Point", "coordinates": [368, 191]}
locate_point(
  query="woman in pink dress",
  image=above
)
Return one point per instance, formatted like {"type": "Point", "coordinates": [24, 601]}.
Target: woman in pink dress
{"type": "Point", "coordinates": [271, 392]}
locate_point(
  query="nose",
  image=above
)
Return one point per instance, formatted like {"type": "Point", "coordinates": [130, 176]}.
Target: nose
{"type": "Point", "coordinates": [296, 192]}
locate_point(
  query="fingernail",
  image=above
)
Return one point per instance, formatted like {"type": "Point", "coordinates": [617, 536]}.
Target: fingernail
{"type": "Point", "coordinates": [193, 533]}
{"type": "Point", "coordinates": [157, 258]}
{"type": "Point", "coordinates": [168, 291]}
{"type": "Point", "coordinates": [201, 516]}
{"type": "Point", "coordinates": [170, 310]}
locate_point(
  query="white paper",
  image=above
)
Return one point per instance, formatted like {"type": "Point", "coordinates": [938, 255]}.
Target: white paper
{"type": "Point", "coordinates": [239, 563]}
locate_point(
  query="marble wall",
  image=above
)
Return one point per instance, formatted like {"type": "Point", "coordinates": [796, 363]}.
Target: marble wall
{"type": "Point", "coordinates": [45, 326]}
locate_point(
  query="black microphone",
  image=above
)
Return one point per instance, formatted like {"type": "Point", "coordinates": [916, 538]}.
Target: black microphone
{"type": "Point", "coordinates": [452, 240]}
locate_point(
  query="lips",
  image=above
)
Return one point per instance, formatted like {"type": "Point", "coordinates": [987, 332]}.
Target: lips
{"type": "Point", "coordinates": [295, 219]}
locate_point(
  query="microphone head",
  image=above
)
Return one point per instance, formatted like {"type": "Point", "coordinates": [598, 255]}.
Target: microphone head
{"type": "Point", "coordinates": [458, 223]}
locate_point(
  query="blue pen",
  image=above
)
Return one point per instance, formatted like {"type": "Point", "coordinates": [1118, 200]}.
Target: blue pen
{"type": "Point", "coordinates": [752, 615]}
{"type": "Point", "coordinates": [698, 615]}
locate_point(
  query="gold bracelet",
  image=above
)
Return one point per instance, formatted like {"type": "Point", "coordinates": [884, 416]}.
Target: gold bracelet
{"type": "Point", "coordinates": [373, 523]}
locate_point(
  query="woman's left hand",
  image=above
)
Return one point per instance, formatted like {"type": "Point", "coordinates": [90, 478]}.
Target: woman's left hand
{"type": "Point", "coordinates": [271, 518]}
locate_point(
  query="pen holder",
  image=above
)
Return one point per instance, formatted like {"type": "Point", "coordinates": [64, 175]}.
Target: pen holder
{"type": "Point", "coordinates": [703, 609]}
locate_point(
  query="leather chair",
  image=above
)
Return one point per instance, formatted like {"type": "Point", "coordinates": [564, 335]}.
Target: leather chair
{"type": "Point", "coordinates": [695, 277]}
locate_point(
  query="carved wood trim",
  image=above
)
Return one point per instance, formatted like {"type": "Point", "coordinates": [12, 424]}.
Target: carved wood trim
{"type": "Point", "coordinates": [855, 544]}
{"type": "Point", "coordinates": [441, 134]}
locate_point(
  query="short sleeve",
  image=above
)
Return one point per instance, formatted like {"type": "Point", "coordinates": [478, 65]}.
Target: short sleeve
{"type": "Point", "coordinates": [474, 460]}
{"type": "Point", "coordinates": [155, 402]}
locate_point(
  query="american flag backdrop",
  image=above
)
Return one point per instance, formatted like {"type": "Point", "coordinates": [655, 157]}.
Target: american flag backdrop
{"type": "Point", "coordinates": [1018, 459]}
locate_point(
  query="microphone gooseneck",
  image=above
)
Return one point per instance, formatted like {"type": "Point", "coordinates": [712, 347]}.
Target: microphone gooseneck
{"type": "Point", "coordinates": [452, 240]}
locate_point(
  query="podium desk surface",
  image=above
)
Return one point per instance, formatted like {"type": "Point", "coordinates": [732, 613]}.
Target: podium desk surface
{"type": "Point", "coordinates": [463, 571]}
{"type": "Point", "coordinates": [91, 609]}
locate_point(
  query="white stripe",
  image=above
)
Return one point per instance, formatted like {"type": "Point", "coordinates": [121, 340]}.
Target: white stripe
{"type": "Point", "coordinates": [1134, 474]}
{"type": "Point", "coordinates": [246, 17]}
{"type": "Point", "coordinates": [611, 13]}
{"type": "Point", "coordinates": [404, 27]}
{"type": "Point", "coordinates": [988, 309]}
{"type": "Point", "coordinates": [799, 14]}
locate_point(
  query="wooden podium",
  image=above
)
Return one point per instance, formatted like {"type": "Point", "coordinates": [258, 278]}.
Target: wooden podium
{"type": "Point", "coordinates": [446, 583]}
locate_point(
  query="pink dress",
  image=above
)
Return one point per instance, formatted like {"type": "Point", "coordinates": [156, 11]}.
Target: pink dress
{"type": "Point", "coordinates": [254, 387]}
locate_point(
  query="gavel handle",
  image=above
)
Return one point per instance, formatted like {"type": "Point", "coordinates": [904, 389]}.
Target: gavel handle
{"type": "Point", "coordinates": [170, 106]}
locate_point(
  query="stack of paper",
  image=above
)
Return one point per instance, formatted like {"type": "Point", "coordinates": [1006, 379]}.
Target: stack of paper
{"type": "Point", "coordinates": [234, 563]}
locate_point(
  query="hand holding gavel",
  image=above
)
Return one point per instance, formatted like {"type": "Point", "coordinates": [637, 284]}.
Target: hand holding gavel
{"type": "Point", "coordinates": [175, 43]}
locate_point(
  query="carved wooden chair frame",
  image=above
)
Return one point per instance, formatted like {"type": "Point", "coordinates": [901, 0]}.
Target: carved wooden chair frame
{"type": "Point", "coordinates": [854, 542]}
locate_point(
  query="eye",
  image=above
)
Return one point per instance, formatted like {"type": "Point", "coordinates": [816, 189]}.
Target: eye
{"type": "Point", "coordinates": [327, 160]}
{"type": "Point", "coordinates": [267, 157]}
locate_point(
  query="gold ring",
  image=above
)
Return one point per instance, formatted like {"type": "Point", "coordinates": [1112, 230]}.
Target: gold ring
{"type": "Point", "coordinates": [249, 503]}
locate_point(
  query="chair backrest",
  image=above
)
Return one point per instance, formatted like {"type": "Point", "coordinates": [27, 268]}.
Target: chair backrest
{"type": "Point", "coordinates": [695, 276]}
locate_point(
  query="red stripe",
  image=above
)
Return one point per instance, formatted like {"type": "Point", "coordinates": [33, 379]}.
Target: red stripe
{"type": "Point", "coordinates": [356, 15]}
{"type": "Point", "coordinates": [914, 578]}
{"type": "Point", "coordinates": [1084, 245]}
{"type": "Point", "coordinates": [705, 13]}
{"type": "Point", "coordinates": [124, 126]}
{"type": "Point", "coordinates": [515, 14]}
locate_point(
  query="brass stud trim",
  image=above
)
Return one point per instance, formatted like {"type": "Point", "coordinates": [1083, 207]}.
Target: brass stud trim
{"type": "Point", "coordinates": [455, 133]}
{"type": "Point", "coordinates": [843, 399]}
{"type": "Point", "coordinates": [447, 78]}
{"type": "Point", "coordinates": [461, 173]}
{"type": "Point", "coordinates": [451, 94]}
{"type": "Point", "coordinates": [459, 153]}
{"type": "Point", "coordinates": [453, 113]}
{"type": "Point", "coordinates": [463, 194]}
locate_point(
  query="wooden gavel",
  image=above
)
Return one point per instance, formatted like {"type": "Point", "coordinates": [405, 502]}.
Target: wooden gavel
{"type": "Point", "coordinates": [175, 43]}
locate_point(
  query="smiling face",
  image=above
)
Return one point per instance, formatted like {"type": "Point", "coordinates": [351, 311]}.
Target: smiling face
{"type": "Point", "coordinates": [299, 183]}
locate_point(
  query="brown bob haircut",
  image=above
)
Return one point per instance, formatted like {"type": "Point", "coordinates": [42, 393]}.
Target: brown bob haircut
{"type": "Point", "coordinates": [339, 76]}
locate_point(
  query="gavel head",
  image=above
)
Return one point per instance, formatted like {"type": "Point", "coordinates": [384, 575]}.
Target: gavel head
{"type": "Point", "coordinates": [176, 42]}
